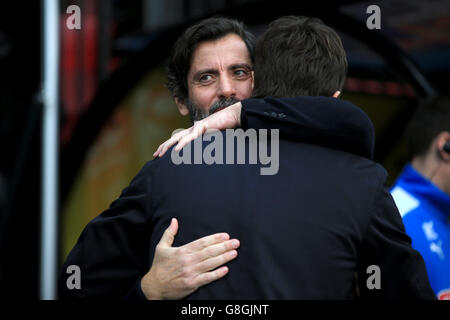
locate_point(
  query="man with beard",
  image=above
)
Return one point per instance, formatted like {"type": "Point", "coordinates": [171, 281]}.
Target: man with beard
{"type": "Point", "coordinates": [127, 251]}
{"type": "Point", "coordinates": [113, 252]}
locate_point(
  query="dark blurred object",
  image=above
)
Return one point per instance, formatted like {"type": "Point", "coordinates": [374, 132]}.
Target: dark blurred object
{"type": "Point", "coordinates": [5, 46]}
{"type": "Point", "coordinates": [20, 134]}
{"type": "Point", "coordinates": [3, 195]}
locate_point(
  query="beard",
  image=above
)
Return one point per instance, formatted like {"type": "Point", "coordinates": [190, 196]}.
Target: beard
{"type": "Point", "coordinates": [196, 114]}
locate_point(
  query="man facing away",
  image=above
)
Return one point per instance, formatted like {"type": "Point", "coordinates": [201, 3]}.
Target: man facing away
{"type": "Point", "coordinates": [209, 69]}
{"type": "Point", "coordinates": [327, 214]}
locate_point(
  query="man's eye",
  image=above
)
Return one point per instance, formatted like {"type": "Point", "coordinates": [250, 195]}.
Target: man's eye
{"type": "Point", "coordinates": [240, 73]}
{"type": "Point", "coordinates": [205, 78]}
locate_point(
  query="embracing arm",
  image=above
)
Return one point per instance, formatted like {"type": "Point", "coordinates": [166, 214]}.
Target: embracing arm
{"type": "Point", "coordinates": [112, 254]}
{"type": "Point", "coordinates": [325, 121]}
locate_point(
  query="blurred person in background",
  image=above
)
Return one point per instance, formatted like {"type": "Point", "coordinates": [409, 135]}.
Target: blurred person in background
{"type": "Point", "coordinates": [422, 190]}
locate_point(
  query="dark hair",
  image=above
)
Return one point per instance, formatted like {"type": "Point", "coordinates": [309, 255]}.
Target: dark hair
{"type": "Point", "coordinates": [299, 56]}
{"type": "Point", "coordinates": [206, 30]}
{"type": "Point", "coordinates": [431, 118]}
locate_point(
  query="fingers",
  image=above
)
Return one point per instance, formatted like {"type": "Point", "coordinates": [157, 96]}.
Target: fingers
{"type": "Point", "coordinates": [223, 119]}
{"type": "Point", "coordinates": [210, 252]}
{"type": "Point", "coordinates": [169, 234]}
{"type": "Point", "coordinates": [211, 276]}
{"type": "Point", "coordinates": [205, 242]}
{"type": "Point", "coordinates": [182, 138]}
{"type": "Point", "coordinates": [205, 275]}
{"type": "Point", "coordinates": [215, 262]}
{"type": "Point", "coordinates": [214, 256]}
{"type": "Point", "coordinates": [216, 250]}
{"type": "Point", "coordinates": [193, 134]}
{"type": "Point", "coordinates": [169, 143]}
{"type": "Point", "coordinates": [166, 145]}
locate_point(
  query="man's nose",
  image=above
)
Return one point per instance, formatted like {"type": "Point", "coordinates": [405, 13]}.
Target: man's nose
{"type": "Point", "coordinates": [226, 87]}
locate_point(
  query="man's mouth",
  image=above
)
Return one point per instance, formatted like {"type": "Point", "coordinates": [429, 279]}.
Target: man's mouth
{"type": "Point", "coordinates": [216, 110]}
{"type": "Point", "coordinates": [222, 104]}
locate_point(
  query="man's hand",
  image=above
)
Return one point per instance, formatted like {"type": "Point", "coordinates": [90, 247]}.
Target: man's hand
{"type": "Point", "coordinates": [227, 118]}
{"type": "Point", "coordinates": [177, 272]}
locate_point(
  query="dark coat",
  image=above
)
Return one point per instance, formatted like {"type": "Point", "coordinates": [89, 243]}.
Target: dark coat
{"type": "Point", "coordinates": [305, 232]}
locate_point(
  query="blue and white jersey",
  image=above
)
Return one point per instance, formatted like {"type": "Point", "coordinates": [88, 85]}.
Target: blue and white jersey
{"type": "Point", "coordinates": [425, 210]}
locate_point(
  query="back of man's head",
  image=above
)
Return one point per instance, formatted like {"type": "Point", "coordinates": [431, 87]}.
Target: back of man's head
{"type": "Point", "coordinates": [299, 56]}
{"type": "Point", "coordinates": [431, 118]}
{"type": "Point", "coordinates": [210, 29]}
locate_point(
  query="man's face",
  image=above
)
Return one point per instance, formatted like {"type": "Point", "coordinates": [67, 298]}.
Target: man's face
{"type": "Point", "coordinates": [220, 75]}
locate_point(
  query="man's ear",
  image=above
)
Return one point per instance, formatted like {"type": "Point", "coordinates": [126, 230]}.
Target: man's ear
{"type": "Point", "coordinates": [336, 94]}
{"type": "Point", "coordinates": [441, 140]}
{"type": "Point", "coordinates": [182, 108]}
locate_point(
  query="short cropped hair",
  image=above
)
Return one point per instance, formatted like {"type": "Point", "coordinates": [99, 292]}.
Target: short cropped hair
{"type": "Point", "coordinates": [206, 30]}
{"type": "Point", "coordinates": [431, 118]}
{"type": "Point", "coordinates": [299, 56]}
